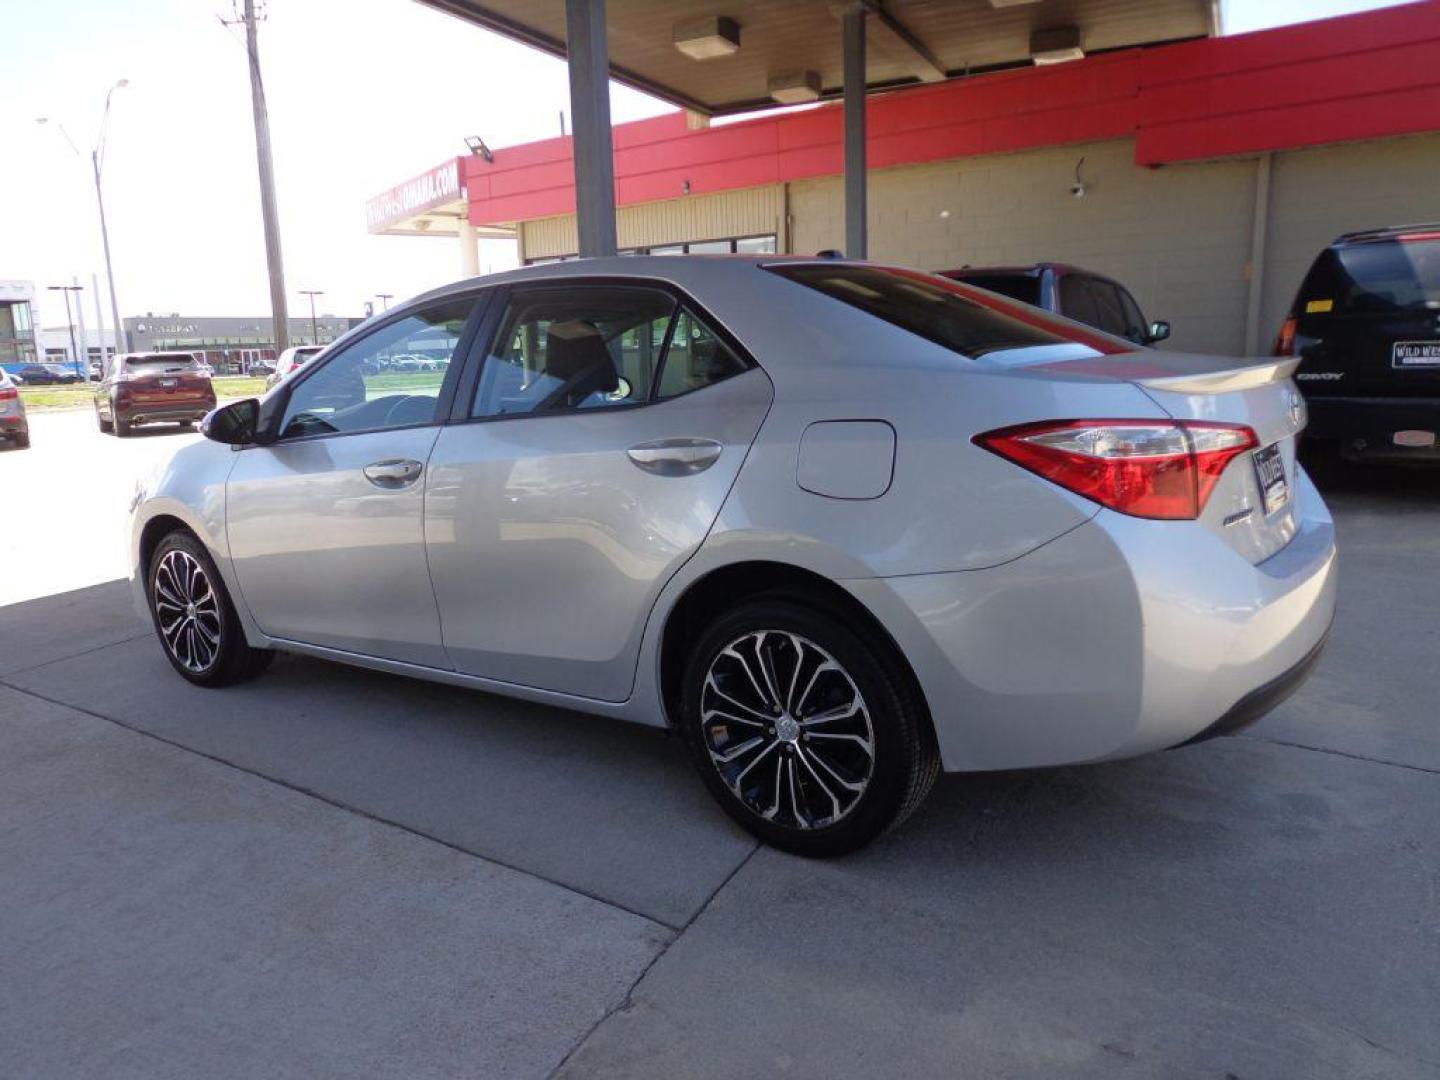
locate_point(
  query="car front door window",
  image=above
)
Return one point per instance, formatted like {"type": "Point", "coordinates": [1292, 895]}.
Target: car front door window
{"type": "Point", "coordinates": [388, 379]}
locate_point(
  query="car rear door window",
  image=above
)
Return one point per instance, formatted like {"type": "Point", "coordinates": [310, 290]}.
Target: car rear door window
{"type": "Point", "coordinates": [579, 347]}
{"type": "Point", "coordinates": [570, 348]}
{"type": "Point", "coordinates": [695, 357]}
{"type": "Point", "coordinates": [389, 378]}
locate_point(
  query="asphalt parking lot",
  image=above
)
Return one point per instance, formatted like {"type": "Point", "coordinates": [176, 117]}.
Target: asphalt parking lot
{"type": "Point", "coordinates": [330, 872]}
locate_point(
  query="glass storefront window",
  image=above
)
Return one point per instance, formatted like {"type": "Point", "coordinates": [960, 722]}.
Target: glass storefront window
{"type": "Point", "coordinates": [756, 245]}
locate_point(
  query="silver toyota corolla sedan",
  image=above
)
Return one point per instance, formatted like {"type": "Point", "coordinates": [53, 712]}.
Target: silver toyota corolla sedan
{"type": "Point", "coordinates": [840, 525]}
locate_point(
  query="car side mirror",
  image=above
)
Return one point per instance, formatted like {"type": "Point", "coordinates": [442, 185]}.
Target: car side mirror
{"type": "Point", "coordinates": [1159, 331]}
{"type": "Point", "coordinates": [235, 424]}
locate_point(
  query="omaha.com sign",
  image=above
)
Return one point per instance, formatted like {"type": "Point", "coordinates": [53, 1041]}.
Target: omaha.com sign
{"type": "Point", "coordinates": [435, 188]}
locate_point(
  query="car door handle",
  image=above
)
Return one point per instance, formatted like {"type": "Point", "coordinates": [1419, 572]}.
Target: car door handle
{"type": "Point", "coordinates": [395, 473]}
{"type": "Point", "coordinates": [675, 457]}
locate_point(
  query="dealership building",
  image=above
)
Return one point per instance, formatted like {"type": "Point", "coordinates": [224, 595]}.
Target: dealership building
{"type": "Point", "coordinates": [228, 344]}
{"type": "Point", "coordinates": [1204, 172]}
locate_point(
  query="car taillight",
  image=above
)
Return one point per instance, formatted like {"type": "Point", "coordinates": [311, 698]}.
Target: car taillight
{"type": "Point", "coordinates": [9, 393]}
{"type": "Point", "coordinates": [1144, 468]}
{"type": "Point", "coordinates": [1285, 341]}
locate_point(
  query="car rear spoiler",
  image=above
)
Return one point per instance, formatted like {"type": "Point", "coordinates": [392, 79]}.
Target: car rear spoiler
{"type": "Point", "coordinates": [1225, 380]}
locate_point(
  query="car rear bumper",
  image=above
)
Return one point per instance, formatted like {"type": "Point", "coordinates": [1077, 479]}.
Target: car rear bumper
{"type": "Point", "coordinates": [1367, 425]}
{"type": "Point", "coordinates": [1121, 637]}
{"type": "Point", "coordinates": [158, 412]}
{"type": "Point", "coordinates": [11, 425]}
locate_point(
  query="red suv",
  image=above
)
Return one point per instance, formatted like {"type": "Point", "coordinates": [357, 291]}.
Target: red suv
{"type": "Point", "coordinates": [153, 388]}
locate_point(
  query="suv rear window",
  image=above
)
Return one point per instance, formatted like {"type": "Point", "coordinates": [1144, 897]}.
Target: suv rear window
{"type": "Point", "coordinates": [1374, 276]}
{"type": "Point", "coordinates": [939, 310]}
{"type": "Point", "coordinates": [153, 365]}
{"type": "Point", "coordinates": [1022, 287]}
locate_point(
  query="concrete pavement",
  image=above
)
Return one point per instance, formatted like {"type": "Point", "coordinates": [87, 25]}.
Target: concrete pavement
{"type": "Point", "coordinates": [74, 485]}
{"type": "Point", "coordinates": [338, 871]}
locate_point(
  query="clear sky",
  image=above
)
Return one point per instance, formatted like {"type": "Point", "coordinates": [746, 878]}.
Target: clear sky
{"type": "Point", "coordinates": [363, 94]}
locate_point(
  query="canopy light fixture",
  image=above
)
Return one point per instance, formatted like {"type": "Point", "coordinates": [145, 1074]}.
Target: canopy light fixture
{"type": "Point", "coordinates": [707, 38]}
{"type": "Point", "coordinates": [1056, 45]}
{"type": "Point", "coordinates": [476, 146]}
{"type": "Point", "coordinates": [795, 87]}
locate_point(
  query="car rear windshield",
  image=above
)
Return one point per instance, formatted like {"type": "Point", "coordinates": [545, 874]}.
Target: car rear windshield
{"type": "Point", "coordinates": [1375, 276]}
{"type": "Point", "coordinates": [1022, 287]}
{"type": "Point", "coordinates": [153, 365]}
{"type": "Point", "coordinates": [940, 310]}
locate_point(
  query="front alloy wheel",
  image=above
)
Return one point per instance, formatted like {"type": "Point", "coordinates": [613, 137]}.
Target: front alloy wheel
{"type": "Point", "coordinates": [187, 611]}
{"type": "Point", "coordinates": [194, 618]}
{"type": "Point", "coordinates": [806, 725]}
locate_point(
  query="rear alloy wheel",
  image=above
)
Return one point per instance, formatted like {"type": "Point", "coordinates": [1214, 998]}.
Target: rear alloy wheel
{"type": "Point", "coordinates": [808, 734]}
{"type": "Point", "coordinates": [122, 427]}
{"type": "Point", "coordinates": [194, 618]}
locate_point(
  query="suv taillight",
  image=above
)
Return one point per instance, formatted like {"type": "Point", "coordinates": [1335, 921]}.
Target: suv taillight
{"type": "Point", "coordinates": [1285, 341]}
{"type": "Point", "coordinates": [9, 393]}
{"type": "Point", "coordinates": [1144, 468]}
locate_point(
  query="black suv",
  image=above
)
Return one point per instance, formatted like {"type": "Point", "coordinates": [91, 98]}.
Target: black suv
{"type": "Point", "coordinates": [1366, 326]}
{"type": "Point", "coordinates": [1082, 295]}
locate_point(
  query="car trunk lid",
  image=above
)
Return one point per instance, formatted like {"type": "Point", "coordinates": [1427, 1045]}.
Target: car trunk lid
{"type": "Point", "coordinates": [1252, 506]}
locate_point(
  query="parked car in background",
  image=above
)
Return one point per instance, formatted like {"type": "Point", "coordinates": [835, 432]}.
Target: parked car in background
{"type": "Point", "coordinates": [1082, 295]}
{"type": "Point", "coordinates": [1365, 325]}
{"type": "Point", "coordinates": [838, 524]}
{"type": "Point", "coordinates": [153, 388]}
{"type": "Point", "coordinates": [48, 375]}
{"type": "Point", "coordinates": [291, 361]}
{"type": "Point", "coordinates": [14, 425]}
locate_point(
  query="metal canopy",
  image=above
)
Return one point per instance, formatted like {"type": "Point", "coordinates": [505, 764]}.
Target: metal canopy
{"type": "Point", "coordinates": [909, 40]}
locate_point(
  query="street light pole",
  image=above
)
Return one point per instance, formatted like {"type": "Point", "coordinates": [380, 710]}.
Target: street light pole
{"type": "Point", "coordinates": [314, 327]}
{"type": "Point", "coordinates": [95, 162]}
{"type": "Point", "coordinates": [70, 321]}
{"type": "Point", "coordinates": [97, 156]}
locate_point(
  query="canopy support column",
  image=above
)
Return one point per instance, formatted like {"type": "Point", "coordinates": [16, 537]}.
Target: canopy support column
{"type": "Point", "coordinates": [589, 62]}
{"type": "Point", "coordinates": [854, 82]}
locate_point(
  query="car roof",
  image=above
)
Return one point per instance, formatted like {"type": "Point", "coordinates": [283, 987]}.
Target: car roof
{"type": "Point", "coordinates": [1388, 232]}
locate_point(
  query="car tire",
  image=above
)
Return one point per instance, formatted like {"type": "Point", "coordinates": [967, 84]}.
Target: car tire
{"type": "Point", "coordinates": [22, 442]}
{"type": "Point", "coordinates": [122, 427]}
{"type": "Point", "coordinates": [104, 425]}
{"type": "Point", "coordinates": [194, 617]}
{"type": "Point", "coordinates": [763, 674]}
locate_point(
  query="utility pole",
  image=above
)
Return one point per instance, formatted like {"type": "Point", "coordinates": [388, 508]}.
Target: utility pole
{"type": "Point", "coordinates": [278, 310]}
{"type": "Point", "coordinates": [385, 298]}
{"type": "Point", "coordinates": [314, 327]}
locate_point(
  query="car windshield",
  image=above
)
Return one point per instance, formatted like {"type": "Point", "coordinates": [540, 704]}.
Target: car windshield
{"type": "Point", "coordinates": [1375, 276]}
{"type": "Point", "coordinates": [1022, 287]}
{"type": "Point", "coordinates": [160, 365]}
{"type": "Point", "coordinates": [969, 322]}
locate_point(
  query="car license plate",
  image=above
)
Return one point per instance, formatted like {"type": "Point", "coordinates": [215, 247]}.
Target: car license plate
{"type": "Point", "coordinates": [1270, 475]}
{"type": "Point", "coordinates": [1413, 354]}
{"type": "Point", "coordinates": [169, 384]}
